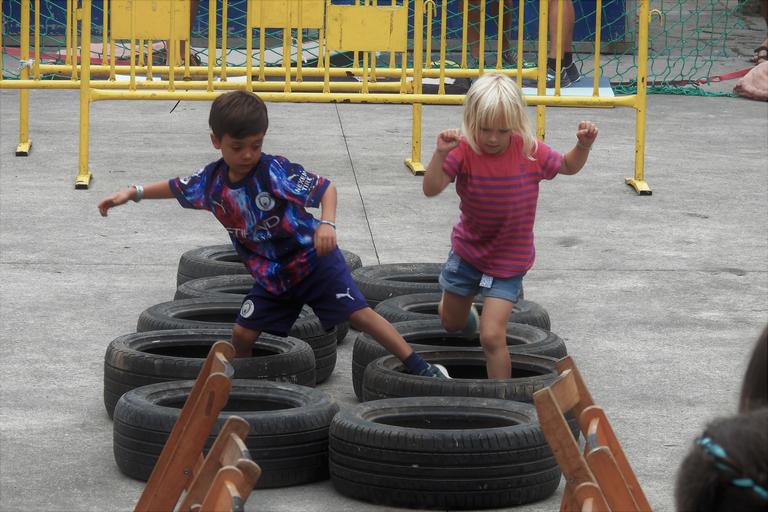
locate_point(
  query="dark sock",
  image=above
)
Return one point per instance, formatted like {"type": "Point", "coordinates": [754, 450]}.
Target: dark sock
{"type": "Point", "coordinates": [566, 61]}
{"type": "Point", "coordinates": [415, 363]}
{"type": "Point", "coordinates": [551, 63]}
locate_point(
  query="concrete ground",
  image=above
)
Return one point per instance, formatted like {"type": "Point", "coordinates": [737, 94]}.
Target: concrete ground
{"type": "Point", "coordinates": [659, 298]}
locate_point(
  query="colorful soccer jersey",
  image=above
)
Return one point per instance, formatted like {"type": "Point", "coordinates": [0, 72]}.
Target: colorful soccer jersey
{"type": "Point", "coordinates": [498, 204]}
{"type": "Point", "coordinates": [264, 214]}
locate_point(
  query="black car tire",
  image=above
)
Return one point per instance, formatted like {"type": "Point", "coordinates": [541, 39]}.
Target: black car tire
{"type": "Point", "coordinates": [442, 452]}
{"type": "Point", "coordinates": [386, 377]}
{"type": "Point", "coordinates": [221, 313]}
{"type": "Point", "coordinates": [139, 359]}
{"type": "Point", "coordinates": [288, 437]}
{"type": "Point", "coordinates": [216, 260]}
{"type": "Point", "coordinates": [429, 334]}
{"type": "Point", "coordinates": [423, 306]}
{"type": "Point", "coordinates": [380, 282]}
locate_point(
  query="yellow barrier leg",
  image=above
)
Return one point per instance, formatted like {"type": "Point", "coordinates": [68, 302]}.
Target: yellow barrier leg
{"type": "Point", "coordinates": [414, 163]}
{"type": "Point", "coordinates": [541, 69]}
{"type": "Point", "coordinates": [83, 178]}
{"type": "Point", "coordinates": [24, 143]}
{"type": "Point", "coordinates": [638, 181]}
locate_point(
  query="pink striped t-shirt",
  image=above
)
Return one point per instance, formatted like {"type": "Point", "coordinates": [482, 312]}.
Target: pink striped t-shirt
{"type": "Point", "coordinates": [498, 204]}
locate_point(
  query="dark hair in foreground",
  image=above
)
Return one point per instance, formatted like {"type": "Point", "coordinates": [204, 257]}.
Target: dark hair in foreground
{"type": "Point", "coordinates": [238, 114]}
{"type": "Point", "coordinates": [754, 390]}
{"type": "Point", "coordinates": [726, 470]}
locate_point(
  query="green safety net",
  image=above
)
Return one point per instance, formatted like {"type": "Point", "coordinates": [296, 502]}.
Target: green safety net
{"type": "Point", "coordinates": [688, 43]}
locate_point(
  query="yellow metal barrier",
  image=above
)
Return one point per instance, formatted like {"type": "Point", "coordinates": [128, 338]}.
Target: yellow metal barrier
{"type": "Point", "coordinates": [366, 28]}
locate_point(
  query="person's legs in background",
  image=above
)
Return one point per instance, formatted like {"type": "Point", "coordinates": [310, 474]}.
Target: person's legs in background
{"type": "Point", "coordinates": [473, 31]}
{"type": "Point", "coordinates": [761, 52]}
{"type": "Point", "coordinates": [569, 72]}
{"type": "Point", "coordinates": [194, 60]}
{"type": "Point", "coordinates": [508, 55]}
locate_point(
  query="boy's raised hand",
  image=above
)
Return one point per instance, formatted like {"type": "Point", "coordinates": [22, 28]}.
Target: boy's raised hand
{"type": "Point", "coordinates": [113, 200]}
{"type": "Point", "coordinates": [447, 140]}
{"type": "Point", "coordinates": [325, 239]}
{"type": "Point", "coordinates": [586, 133]}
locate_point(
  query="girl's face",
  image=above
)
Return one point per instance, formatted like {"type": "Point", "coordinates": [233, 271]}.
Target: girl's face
{"type": "Point", "coordinates": [494, 138]}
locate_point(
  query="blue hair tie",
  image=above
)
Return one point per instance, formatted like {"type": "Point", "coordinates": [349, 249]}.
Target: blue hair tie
{"type": "Point", "coordinates": [722, 462]}
{"type": "Point", "coordinates": [748, 483]}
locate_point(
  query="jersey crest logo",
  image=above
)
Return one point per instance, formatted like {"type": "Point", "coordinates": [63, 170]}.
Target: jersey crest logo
{"type": "Point", "coordinates": [264, 201]}
{"type": "Point", "coordinates": [247, 309]}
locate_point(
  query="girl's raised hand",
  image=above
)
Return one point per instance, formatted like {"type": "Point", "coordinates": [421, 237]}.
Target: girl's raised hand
{"type": "Point", "coordinates": [586, 133]}
{"type": "Point", "coordinates": [447, 140]}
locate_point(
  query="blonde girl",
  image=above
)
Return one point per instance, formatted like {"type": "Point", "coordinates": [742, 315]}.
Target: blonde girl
{"type": "Point", "coordinates": [497, 164]}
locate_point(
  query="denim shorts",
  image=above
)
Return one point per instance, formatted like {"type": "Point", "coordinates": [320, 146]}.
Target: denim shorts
{"type": "Point", "coordinates": [463, 279]}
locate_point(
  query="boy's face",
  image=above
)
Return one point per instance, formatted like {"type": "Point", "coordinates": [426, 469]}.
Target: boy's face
{"type": "Point", "coordinates": [241, 155]}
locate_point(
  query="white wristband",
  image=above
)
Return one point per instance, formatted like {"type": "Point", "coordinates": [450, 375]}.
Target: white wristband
{"type": "Point", "coordinates": [139, 193]}
{"type": "Point", "coordinates": [332, 224]}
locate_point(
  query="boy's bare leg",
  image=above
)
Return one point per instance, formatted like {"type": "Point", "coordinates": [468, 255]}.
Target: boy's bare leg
{"type": "Point", "coordinates": [493, 337]}
{"type": "Point", "coordinates": [243, 340]}
{"type": "Point", "coordinates": [369, 321]}
{"type": "Point", "coordinates": [454, 310]}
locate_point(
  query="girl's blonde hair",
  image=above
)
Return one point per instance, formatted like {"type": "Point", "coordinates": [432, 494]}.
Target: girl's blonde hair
{"type": "Point", "coordinates": [495, 96]}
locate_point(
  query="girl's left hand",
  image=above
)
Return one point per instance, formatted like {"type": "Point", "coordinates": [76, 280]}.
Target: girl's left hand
{"type": "Point", "coordinates": [325, 239]}
{"type": "Point", "coordinates": [586, 133]}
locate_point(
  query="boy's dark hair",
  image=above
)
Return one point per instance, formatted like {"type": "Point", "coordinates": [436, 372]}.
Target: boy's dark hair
{"type": "Point", "coordinates": [727, 468]}
{"type": "Point", "coordinates": [238, 114]}
{"type": "Point", "coordinates": [754, 390]}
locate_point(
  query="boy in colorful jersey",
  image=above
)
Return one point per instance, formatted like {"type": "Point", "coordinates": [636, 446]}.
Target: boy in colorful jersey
{"type": "Point", "coordinates": [260, 199]}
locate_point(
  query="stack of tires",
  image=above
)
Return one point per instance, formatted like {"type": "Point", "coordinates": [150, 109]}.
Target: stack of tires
{"type": "Point", "coordinates": [464, 442]}
{"type": "Point", "coordinates": [149, 374]}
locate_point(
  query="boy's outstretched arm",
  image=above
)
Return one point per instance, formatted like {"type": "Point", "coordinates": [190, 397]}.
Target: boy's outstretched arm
{"type": "Point", "coordinates": [157, 190]}
{"type": "Point", "coordinates": [575, 159]}
{"type": "Point", "coordinates": [435, 180]}
{"type": "Point", "coordinates": [325, 234]}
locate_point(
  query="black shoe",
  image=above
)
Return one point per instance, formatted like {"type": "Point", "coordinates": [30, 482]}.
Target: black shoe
{"type": "Point", "coordinates": [568, 75]}
{"type": "Point", "coordinates": [508, 59]}
{"type": "Point", "coordinates": [573, 73]}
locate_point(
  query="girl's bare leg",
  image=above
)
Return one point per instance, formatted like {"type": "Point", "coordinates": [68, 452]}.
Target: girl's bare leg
{"type": "Point", "coordinates": [454, 310]}
{"type": "Point", "coordinates": [493, 337]}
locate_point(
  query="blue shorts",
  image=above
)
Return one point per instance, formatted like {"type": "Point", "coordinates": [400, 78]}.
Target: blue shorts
{"type": "Point", "coordinates": [461, 278]}
{"type": "Point", "coordinates": [329, 290]}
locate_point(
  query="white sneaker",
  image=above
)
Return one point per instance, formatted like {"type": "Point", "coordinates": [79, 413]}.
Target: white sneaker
{"type": "Point", "coordinates": [437, 371]}
{"type": "Point", "coordinates": [442, 369]}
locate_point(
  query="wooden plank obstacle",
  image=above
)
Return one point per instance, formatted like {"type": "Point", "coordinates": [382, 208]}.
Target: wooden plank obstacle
{"type": "Point", "coordinates": [220, 481]}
